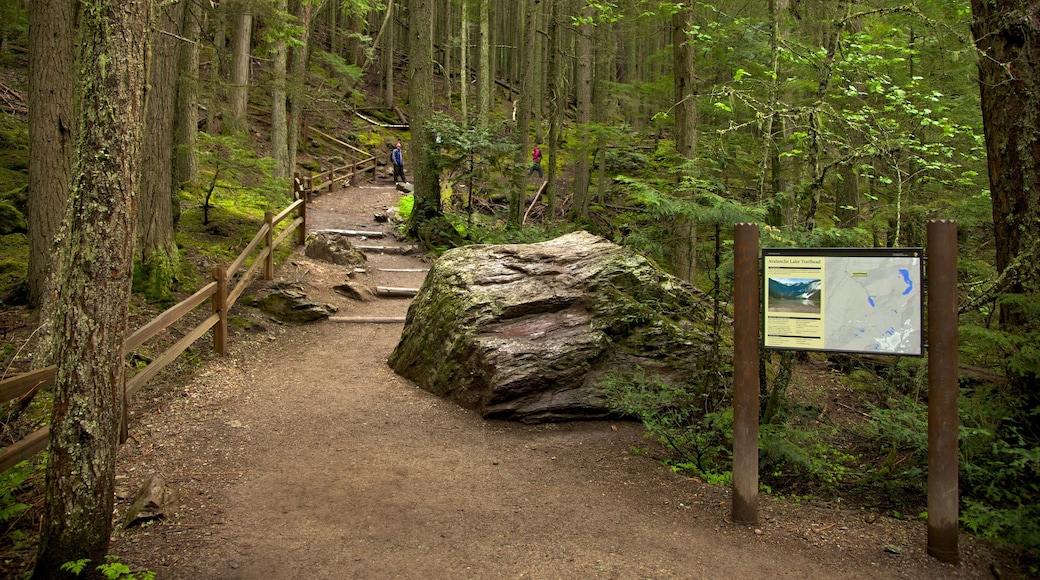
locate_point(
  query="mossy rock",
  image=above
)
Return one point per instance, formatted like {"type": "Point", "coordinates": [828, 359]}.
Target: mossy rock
{"type": "Point", "coordinates": [11, 220]}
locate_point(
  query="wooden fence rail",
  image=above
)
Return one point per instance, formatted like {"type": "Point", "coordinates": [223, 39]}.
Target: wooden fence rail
{"type": "Point", "coordinates": [216, 293]}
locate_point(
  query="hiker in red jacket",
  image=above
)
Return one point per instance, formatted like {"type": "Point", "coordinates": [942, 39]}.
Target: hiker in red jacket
{"type": "Point", "coordinates": [536, 162]}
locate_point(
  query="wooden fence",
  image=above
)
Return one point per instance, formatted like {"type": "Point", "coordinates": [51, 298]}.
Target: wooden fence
{"type": "Point", "coordinates": [236, 276]}
{"type": "Point", "coordinates": [362, 162]}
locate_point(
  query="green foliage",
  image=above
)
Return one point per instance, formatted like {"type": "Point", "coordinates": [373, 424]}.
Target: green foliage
{"type": "Point", "coordinates": [14, 264]}
{"type": "Point", "coordinates": [230, 171]}
{"type": "Point", "coordinates": [113, 569]}
{"type": "Point", "coordinates": [695, 425]}
{"type": "Point", "coordinates": [803, 455]}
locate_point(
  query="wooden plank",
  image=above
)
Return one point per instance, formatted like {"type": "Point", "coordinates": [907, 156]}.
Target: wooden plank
{"type": "Point", "coordinates": [241, 259]}
{"type": "Point", "coordinates": [337, 141]}
{"type": "Point", "coordinates": [171, 315]}
{"type": "Point", "coordinates": [386, 249]}
{"type": "Point", "coordinates": [298, 222]}
{"type": "Point", "coordinates": [139, 380]}
{"type": "Point", "coordinates": [391, 291]}
{"type": "Point", "coordinates": [358, 233]}
{"type": "Point", "coordinates": [368, 320]}
{"type": "Point", "coordinates": [24, 448]}
{"type": "Point", "coordinates": [19, 385]}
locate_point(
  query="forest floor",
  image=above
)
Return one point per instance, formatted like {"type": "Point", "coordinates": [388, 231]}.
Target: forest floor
{"type": "Point", "coordinates": [302, 455]}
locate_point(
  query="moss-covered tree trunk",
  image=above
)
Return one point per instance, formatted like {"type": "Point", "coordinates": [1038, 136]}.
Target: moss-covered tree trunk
{"type": "Point", "coordinates": [50, 134]}
{"type": "Point", "coordinates": [420, 95]}
{"type": "Point", "coordinates": [155, 231]}
{"type": "Point", "coordinates": [94, 286]}
{"type": "Point", "coordinates": [1007, 35]}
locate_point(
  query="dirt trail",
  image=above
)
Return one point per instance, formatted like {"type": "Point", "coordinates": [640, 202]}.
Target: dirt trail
{"type": "Point", "coordinates": [301, 455]}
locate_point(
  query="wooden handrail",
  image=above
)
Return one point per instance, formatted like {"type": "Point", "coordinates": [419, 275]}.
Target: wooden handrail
{"type": "Point", "coordinates": [20, 385]}
{"type": "Point", "coordinates": [216, 292]}
{"type": "Point", "coordinates": [241, 259]}
{"type": "Point", "coordinates": [171, 315]}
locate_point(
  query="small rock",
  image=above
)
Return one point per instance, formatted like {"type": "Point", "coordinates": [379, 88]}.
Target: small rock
{"type": "Point", "coordinates": [870, 517]}
{"type": "Point", "coordinates": [758, 531]}
{"type": "Point", "coordinates": [890, 549]}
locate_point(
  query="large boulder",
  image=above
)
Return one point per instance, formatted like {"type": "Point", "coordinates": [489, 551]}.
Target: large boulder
{"type": "Point", "coordinates": [333, 247]}
{"type": "Point", "coordinates": [530, 331]}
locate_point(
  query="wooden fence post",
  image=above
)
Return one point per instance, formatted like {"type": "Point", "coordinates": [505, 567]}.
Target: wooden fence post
{"type": "Point", "coordinates": [353, 175]}
{"type": "Point", "coordinates": [220, 307]}
{"type": "Point", "coordinates": [269, 243]}
{"type": "Point", "coordinates": [746, 296]}
{"type": "Point", "coordinates": [301, 232]}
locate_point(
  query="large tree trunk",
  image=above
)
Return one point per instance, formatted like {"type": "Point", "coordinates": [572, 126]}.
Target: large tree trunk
{"type": "Point", "coordinates": [185, 121]}
{"type": "Point", "coordinates": [155, 232]}
{"type": "Point", "coordinates": [300, 55]}
{"type": "Point", "coordinates": [279, 122]}
{"type": "Point", "coordinates": [240, 55]}
{"type": "Point", "coordinates": [684, 73]}
{"type": "Point", "coordinates": [50, 135]}
{"type": "Point", "coordinates": [485, 74]}
{"type": "Point", "coordinates": [556, 111]}
{"type": "Point", "coordinates": [94, 288]}
{"type": "Point", "coordinates": [524, 113]}
{"type": "Point", "coordinates": [1007, 35]}
{"type": "Point", "coordinates": [420, 94]}
{"type": "Point", "coordinates": [583, 89]}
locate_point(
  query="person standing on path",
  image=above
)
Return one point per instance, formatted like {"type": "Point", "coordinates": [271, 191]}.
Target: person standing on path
{"type": "Point", "coordinates": [536, 162]}
{"type": "Point", "coordinates": [397, 159]}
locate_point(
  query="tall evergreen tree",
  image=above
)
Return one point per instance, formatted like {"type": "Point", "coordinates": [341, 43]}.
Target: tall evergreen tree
{"type": "Point", "coordinates": [94, 286]}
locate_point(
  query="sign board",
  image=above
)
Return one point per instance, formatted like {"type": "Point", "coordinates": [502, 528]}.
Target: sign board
{"type": "Point", "coordinates": [845, 300]}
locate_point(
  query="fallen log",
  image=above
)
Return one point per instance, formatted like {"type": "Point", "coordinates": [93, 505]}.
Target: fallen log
{"type": "Point", "coordinates": [358, 233]}
{"type": "Point", "coordinates": [397, 292]}
{"type": "Point", "coordinates": [368, 320]}
{"type": "Point", "coordinates": [386, 249]}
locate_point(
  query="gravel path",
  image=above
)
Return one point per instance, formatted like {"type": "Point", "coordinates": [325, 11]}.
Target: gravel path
{"type": "Point", "coordinates": [302, 455]}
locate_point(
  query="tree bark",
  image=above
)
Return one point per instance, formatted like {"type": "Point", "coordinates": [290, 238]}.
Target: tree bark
{"type": "Point", "coordinates": [50, 135]}
{"type": "Point", "coordinates": [240, 54]}
{"type": "Point", "coordinates": [186, 119]}
{"type": "Point", "coordinates": [155, 232]}
{"type": "Point", "coordinates": [524, 113]}
{"type": "Point", "coordinates": [684, 74]}
{"type": "Point", "coordinates": [485, 74]}
{"type": "Point", "coordinates": [94, 288]}
{"type": "Point", "coordinates": [300, 55]}
{"type": "Point", "coordinates": [1007, 35]}
{"type": "Point", "coordinates": [420, 94]}
{"type": "Point", "coordinates": [583, 90]}
{"type": "Point", "coordinates": [279, 122]}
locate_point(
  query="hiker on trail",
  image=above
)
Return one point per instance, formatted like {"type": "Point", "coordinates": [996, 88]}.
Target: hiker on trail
{"type": "Point", "coordinates": [536, 162]}
{"type": "Point", "coordinates": [397, 159]}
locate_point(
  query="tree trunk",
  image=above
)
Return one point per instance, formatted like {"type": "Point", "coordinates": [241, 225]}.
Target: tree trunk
{"type": "Point", "coordinates": [485, 74]}
{"type": "Point", "coordinates": [300, 55]}
{"type": "Point", "coordinates": [1007, 35]}
{"type": "Point", "coordinates": [240, 55]}
{"type": "Point", "coordinates": [464, 63]}
{"type": "Point", "coordinates": [94, 288]}
{"type": "Point", "coordinates": [685, 229]}
{"type": "Point", "coordinates": [556, 111]}
{"type": "Point", "coordinates": [583, 89]}
{"type": "Point", "coordinates": [50, 135]}
{"type": "Point", "coordinates": [523, 121]}
{"type": "Point", "coordinates": [156, 239]}
{"type": "Point", "coordinates": [185, 122]}
{"type": "Point", "coordinates": [420, 95]}
{"type": "Point", "coordinates": [279, 124]}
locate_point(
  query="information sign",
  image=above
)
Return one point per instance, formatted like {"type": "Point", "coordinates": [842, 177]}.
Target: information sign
{"type": "Point", "coordinates": [846, 300]}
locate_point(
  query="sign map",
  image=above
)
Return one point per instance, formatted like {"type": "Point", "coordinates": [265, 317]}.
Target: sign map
{"type": "Point", "coordinates": [863, 301]}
